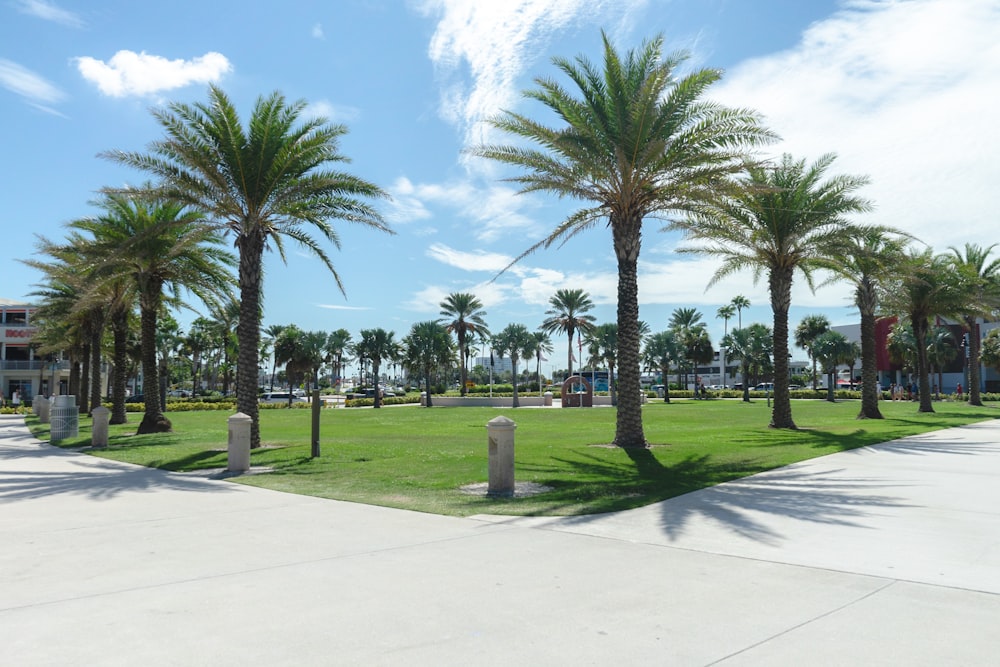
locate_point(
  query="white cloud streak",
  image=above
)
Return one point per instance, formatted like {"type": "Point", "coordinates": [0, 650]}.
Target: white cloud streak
{"type": "Point", "coordinates": [48, 11]}
{"type": "Point", "coordinates": [137, 74]}
{"type": "Point", "coordinates": [32, 87]}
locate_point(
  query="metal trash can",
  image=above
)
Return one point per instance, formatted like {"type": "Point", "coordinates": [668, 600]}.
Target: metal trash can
{"type": "Point", "coordinates": [64, 418]}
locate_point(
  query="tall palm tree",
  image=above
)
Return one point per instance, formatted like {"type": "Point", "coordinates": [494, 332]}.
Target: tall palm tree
{"type": "Point", "coordinates": [602, 344]}
{"type": "Point", "coordinates": [663, 349]}
{"type": "Point", "coordinates": [162, 247]}
{"type": "Point", "coordinates": [467, 317]}
{"type": "Point", "coordinates": [516, 342]}
{"type": "Point", "coordinates": [809, 329]}
{"type": "Point", "coordinates": [941, 348]}
{"type": "Point", "coordinates": [569, 314]}
{"type": "Point", "coordinates": [376, 345]}
{"type": "Point", "coordinates": [784, 219]}
{"type": "Point", "coordinates": [541, 344]}
{"type": "Point", "coordinates": [867, 259]}
{"type": "Point", "coordinates": [981, 280]}
{"type": "Point", "coordinates": [754, 347]}
{"type": "Point", "coordinates": [338, 345]}
{"type": "Point", "coordinates": [724, 313]}
{"type": "Point", "coordinates": [740, 303]}
{"type": "Point", "coordinates": [925, 286]}
{"type": "Point", "coordinates": [271, 334]}
{"type": "Point", "coordinates": [638, 141]}
{"type": "Point", "coordinates": [263, 183]}
{"type": "Point", "coordinates": [426, 348]}
{"type": "Point", "coordinates": [290, 349]}
{"type": "Point", "coordinates": [687, 325]}
{"type": "Point", "coordinates": [832, 348]}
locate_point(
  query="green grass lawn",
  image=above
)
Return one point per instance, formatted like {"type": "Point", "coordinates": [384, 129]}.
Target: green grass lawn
{"type": "Point", "coordinates": [418, 459]}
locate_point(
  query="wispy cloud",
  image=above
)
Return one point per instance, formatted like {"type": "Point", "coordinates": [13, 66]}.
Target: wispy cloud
{"type": "Point", "coordinates": [336, 113]}
{"type": "Point", "coordinates": [128, 73]}
{"type": "Point", "coordinates": [49, 11]}
{"type": "Point", "coordinates": [901, 91]}
{"type": "Point", "coordinates": [329, 306]}
{"type": "Point", "coordinates": [31, 86]}
{"type": "Point", "coordinates": [317, 31]}
{"type": "Point", "coordinates": [494, 43]}
{"type": "Point", "coordinates": [468, 261]}
{"type": "Point", "coordinates": [492, 210]}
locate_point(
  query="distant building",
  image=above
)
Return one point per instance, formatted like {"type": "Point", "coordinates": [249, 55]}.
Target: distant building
{"type": "Point", "coordinates": [22, 369]}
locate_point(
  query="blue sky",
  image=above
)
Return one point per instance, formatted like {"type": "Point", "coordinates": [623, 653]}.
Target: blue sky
{"type": "Point", "coordinates": [902, 90]}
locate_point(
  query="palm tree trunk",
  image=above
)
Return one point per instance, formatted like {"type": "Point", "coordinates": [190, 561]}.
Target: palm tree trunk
{"type": "Point", "coordinates": [251, 250]}
{"type": "Point", "coordinates": [569, 355]}
{"type": "Point", "coordinates": [83, 391]}
{"type": "Point", "coordinates": [153, 420]}
{"type": "Point", "coordinates": [974, 355]}
{"type": "Point", "coordinates": [375, 369]}
{"type": "Point", "coordinates": [119, 329]}
{"type": "Point", "coordinates": [920, 326]}
{"type": "Point", "coordinates": [95, 363]}
{"type": "Point", "coordinates": [427, 383]}
{"type": "Point", "coordinates": [628, 426]}
{"type": "Point", "coordinates": [781, 297]}
{"type": "Point", "coordinates": [513, 366]}
{"type": "Point", "coordinates": [869, 371]}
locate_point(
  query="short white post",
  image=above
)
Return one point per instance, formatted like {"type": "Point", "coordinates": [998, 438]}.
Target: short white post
{"type": "Point", "coordinates": [501, 456]}
{"type": "Point", "coordinates": [239, 443]}
{"type": "Point", "coordinates": [99, 429]}
{"type": "Point", "coordinates": [547, 399]}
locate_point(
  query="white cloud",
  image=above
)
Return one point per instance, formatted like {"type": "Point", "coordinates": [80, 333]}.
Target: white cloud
{"type": "Point", "coordinates": [335, 113]}
{"type": "Point", "coordinates": [317, 31]}
{"type": "Point", "coordinates": [492, 210]}
{"type": "Point", "coordinates": [335, 307]}
{"type": "Point", "coordinates": [468, 261]}
{"type": "Point", "coordinates": [50, 12]}
{"type": "Point", "coordinates": [482, 48]}
{"type": "Point", "coordinates": [903, 92]}
{"type": "Point", "coordinates": [129, 73]}
{"type": "Point", "coordinates": [29, 85]}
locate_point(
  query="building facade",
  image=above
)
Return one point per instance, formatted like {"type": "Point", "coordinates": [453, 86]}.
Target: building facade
{"type": "Point", "coordinates": [22, 369]}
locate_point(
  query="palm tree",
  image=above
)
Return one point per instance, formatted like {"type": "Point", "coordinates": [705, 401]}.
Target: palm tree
{"type": "Point", "coordinates": [687, 325]}
{"type": "Point", "coordinates": [467, 317]}
{"type": "Point", "coordinates": [740, 303]}
{"type": "Point", "coordinates": [162, 247]}
{"type": "Point", "coordinates": [724, 313]}
{"type": "Point", "coordinates": [376, 345]}
{"type": "Point", "coordinates": [784, 219]}
{"type": "Point", "coordinates": [602, 344]}
{"type": "Point", "coordinates": [263, 183]}
{"type": "Point", "coordinates": [569, 314]}
{"type": "Point", "coordinates": [637, 142]}
{"type": "Point", "coordinates": [754, 347]}
{"type": "Point", "coordinates": [516, 342]}
{"type": "Point", "coordinates": [810, 328]}
{"type": "Point", "coordinates": [663, 349]}
{"type": "Point", "coordinates": [427, 347]}
{"type": "Point", "coordinates": [832, 348]}
{"type": "Point", "coordinates": [941, 348]}
{"type": "Point", "coordinates": [338, 344]}
{"type": "Point", "coordinates": [867, 259]}
{"type": "Point", "coordinates": [981, 284]}
{"type": "Point", "coordinates": [925, 285]}
{"type": "Point", "coordinates": [291, 351]}
{"type": "Point", "coordinates": [272, 333]}
{"type": "Point", "coordinates": [541, 344]}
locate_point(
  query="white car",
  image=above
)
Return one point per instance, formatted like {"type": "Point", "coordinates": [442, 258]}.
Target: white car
{"type": "Point", "coordinates": [280, 397]}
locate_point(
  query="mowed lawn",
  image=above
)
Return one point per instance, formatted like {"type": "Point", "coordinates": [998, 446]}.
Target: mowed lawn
{"type": "Point", "coordinates": [418, 458]}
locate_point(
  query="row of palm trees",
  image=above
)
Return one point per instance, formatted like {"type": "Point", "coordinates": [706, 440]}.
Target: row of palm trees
{"type": "Point", "coordinates": [638, 141]}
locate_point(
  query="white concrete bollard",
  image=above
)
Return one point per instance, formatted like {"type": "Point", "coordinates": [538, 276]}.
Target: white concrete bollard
{"type": "Point", "coordinates": [43, 406]}
{"type": "Point", "coordinates": [501, 456]}
{"type": "Point", "coordinates": [99, 430]}
{"type": "Point", "coordinates": [547, 399]}
{"type": "Point", "coordinates": [239, 443]}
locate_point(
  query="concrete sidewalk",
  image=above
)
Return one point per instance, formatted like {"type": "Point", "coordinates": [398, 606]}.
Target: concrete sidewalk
{"type": "Point", "coordinates": [889, 555]}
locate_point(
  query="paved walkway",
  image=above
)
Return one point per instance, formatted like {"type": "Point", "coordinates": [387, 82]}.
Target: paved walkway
{"type": "Point", "coordinates": [888, 555]}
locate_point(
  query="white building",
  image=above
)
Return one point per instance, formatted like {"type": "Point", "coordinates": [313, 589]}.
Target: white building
{"type": "Point", "coordinates": [22, 369]}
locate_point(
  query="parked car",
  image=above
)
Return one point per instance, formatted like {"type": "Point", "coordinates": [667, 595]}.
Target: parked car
{"type": "Point", "coordinates": [718, 387]}
{"type": "Point", "coordinates": [280, 397]}
{"type": "Point", "coordinates": [764, 386]}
